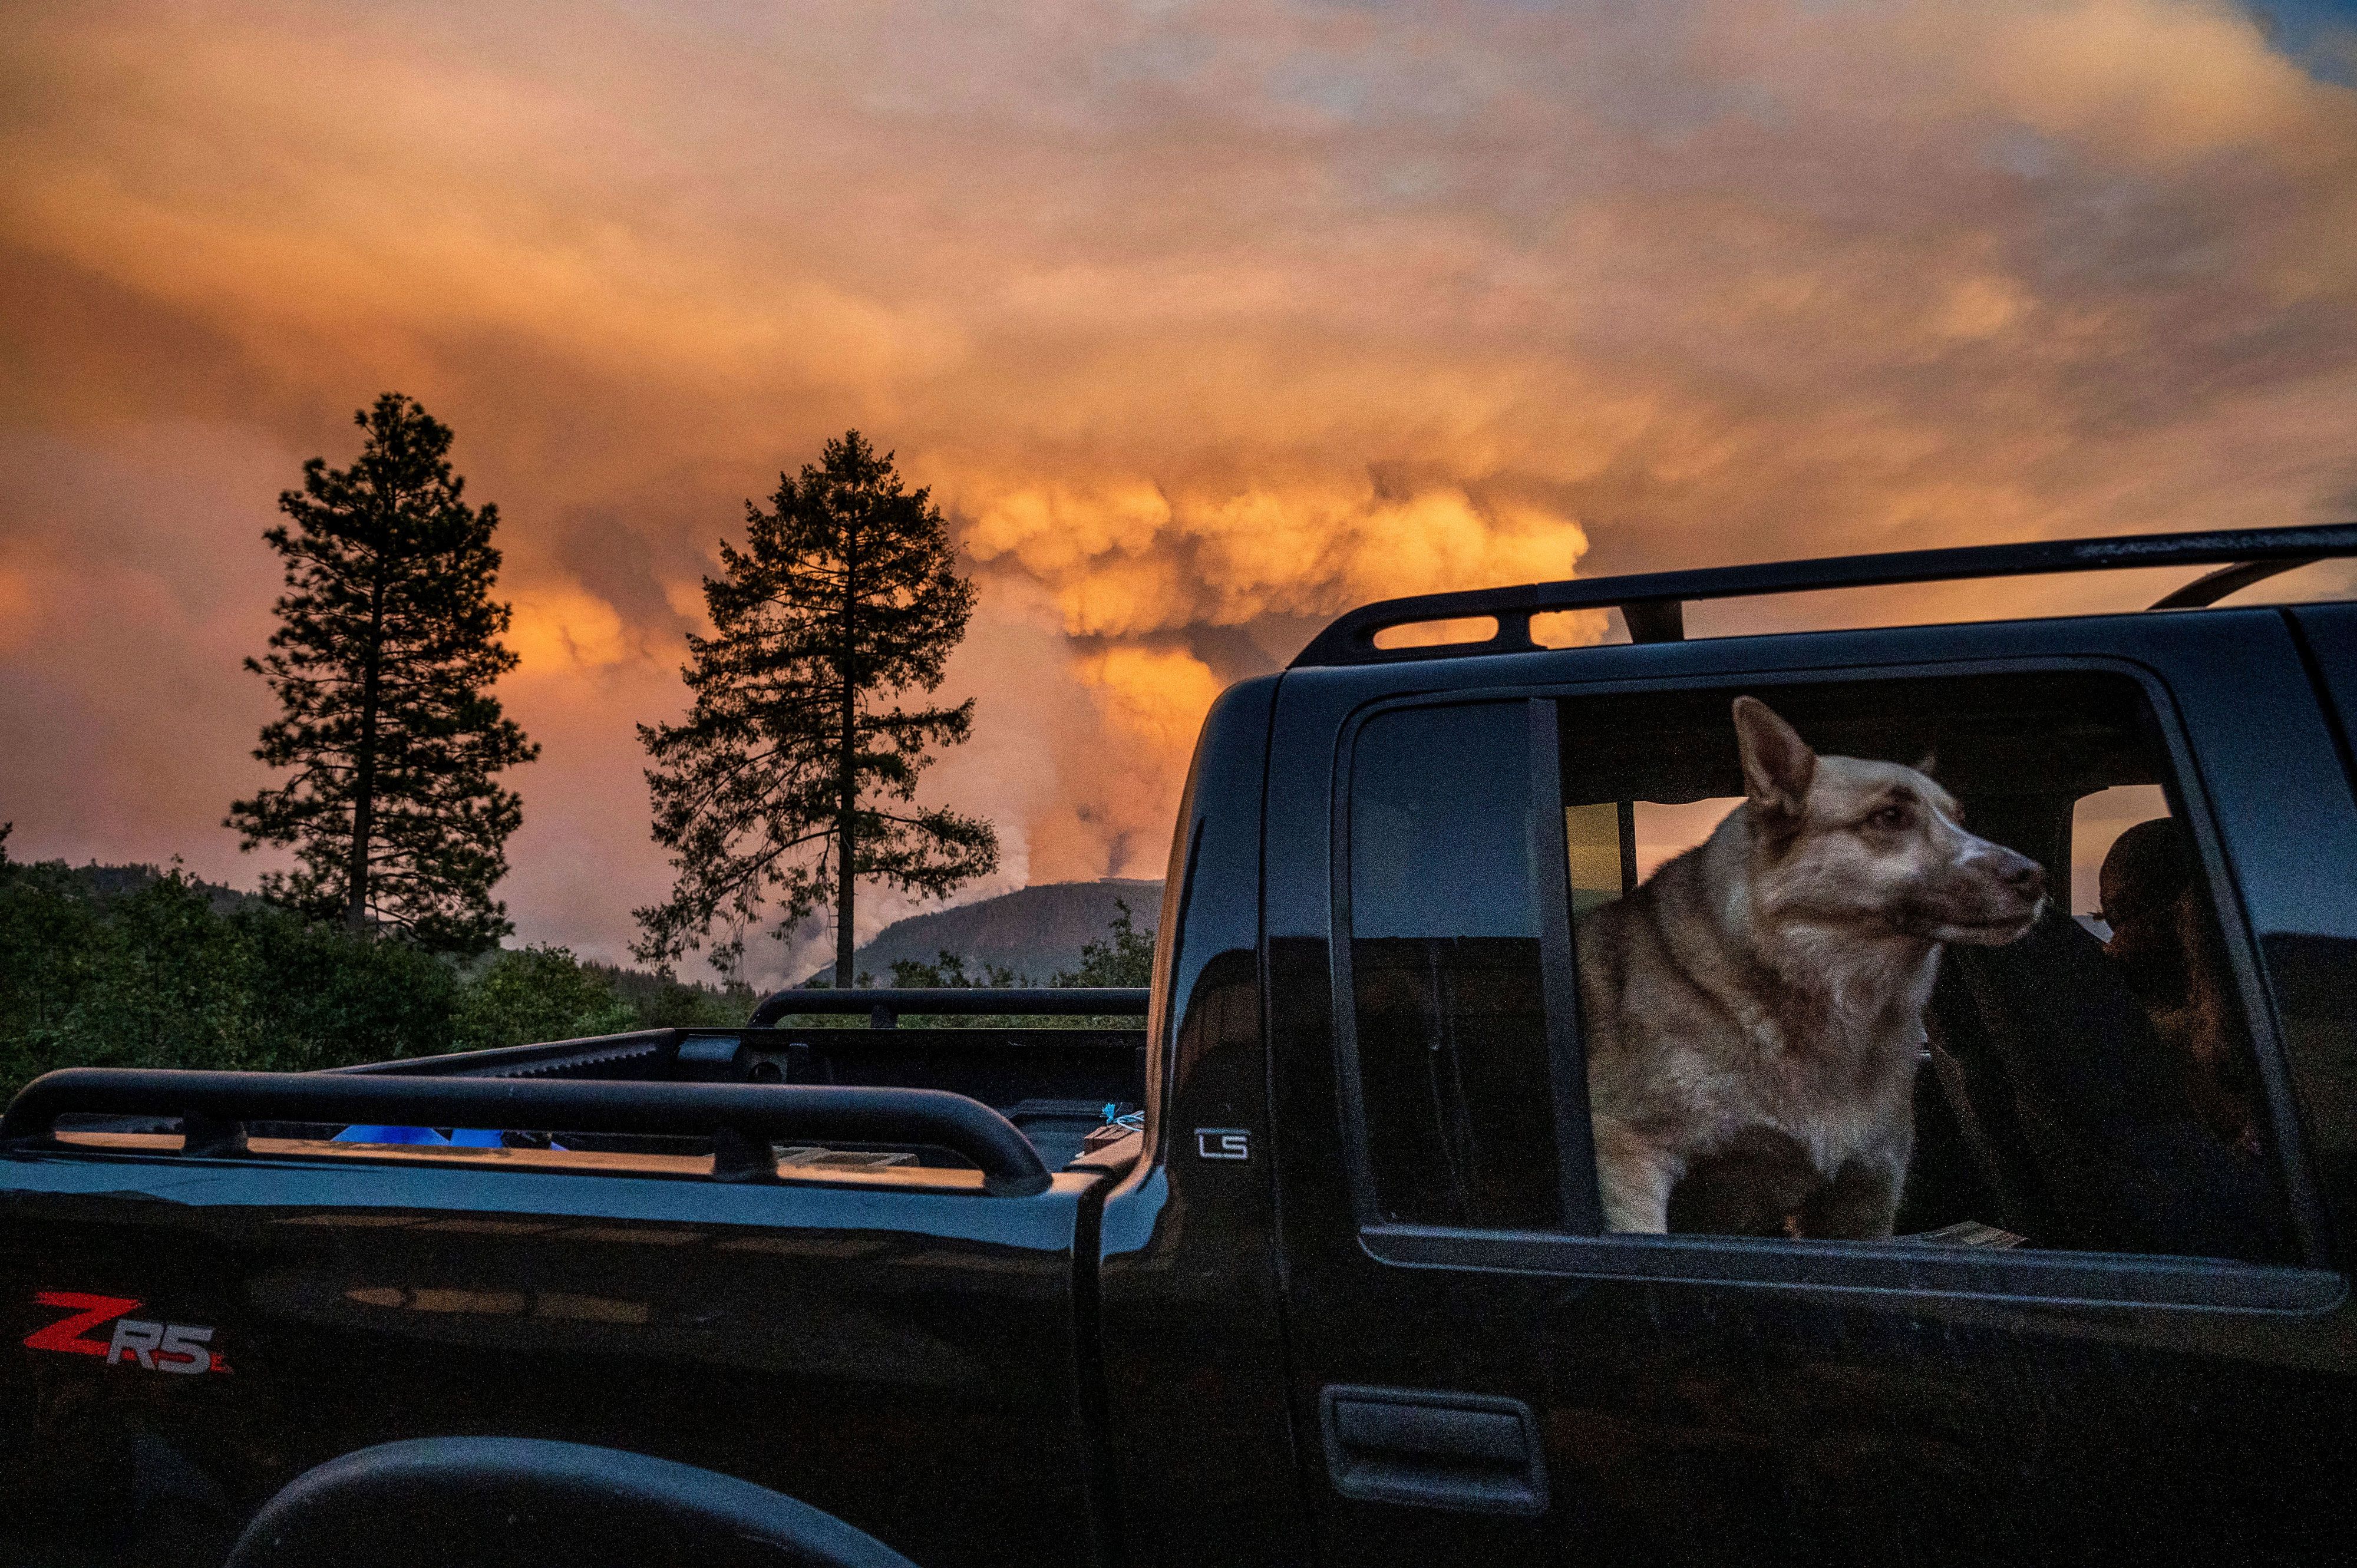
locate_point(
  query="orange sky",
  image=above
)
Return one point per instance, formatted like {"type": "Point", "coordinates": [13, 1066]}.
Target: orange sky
{"type": "Point", "coordinates": [1205, 322]}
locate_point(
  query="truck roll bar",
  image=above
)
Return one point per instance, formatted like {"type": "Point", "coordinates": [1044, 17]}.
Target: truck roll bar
{"type": "Point", "coordinates": [740, 1119]}
{"type": "Point", "coordinates": [885, 1004]}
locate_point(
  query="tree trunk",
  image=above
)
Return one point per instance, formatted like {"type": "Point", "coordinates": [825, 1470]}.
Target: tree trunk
{"type": "Point", "coordinates": [356, 911]}
{"type": "Point", "coordinates": [843, 926]}
{"type": "Point", "coordinates": [845, 840]}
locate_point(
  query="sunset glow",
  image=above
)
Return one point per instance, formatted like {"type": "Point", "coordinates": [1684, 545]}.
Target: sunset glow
{"type": "Point", "coordinates": [1204, 322]}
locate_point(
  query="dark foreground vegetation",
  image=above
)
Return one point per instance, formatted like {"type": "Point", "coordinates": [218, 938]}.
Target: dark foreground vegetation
{"type": "Point", "coordinates": [93, 973]}
{"type": "Point", "coordinates": [118, 966]}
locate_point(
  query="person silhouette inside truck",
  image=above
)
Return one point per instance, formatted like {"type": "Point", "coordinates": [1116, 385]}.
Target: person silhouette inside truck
{"type": "Point", "coordinates": [2165, 939]}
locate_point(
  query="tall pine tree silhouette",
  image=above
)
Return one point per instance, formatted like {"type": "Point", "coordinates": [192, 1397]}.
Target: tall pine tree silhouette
{"type": "Point", "coordinates": [384, 660]}
{"type": "Point", "coordinates": [794, 776]}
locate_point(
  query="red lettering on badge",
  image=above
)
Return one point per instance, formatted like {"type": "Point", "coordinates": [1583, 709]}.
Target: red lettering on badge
{"type": "Point", "coordinates": [68, 1333]}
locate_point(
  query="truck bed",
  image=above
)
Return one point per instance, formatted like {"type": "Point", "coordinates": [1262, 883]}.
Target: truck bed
{"type": "Point", "coordinates": [887, 1327]}
{"type": "Point", "coordinates": [1054, 1084]}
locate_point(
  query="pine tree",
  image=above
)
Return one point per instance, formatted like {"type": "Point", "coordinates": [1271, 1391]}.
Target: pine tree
{"type": "Point", "coordinates": [792, 777]}
{"type": "Point", "coordinates": [386, 649]}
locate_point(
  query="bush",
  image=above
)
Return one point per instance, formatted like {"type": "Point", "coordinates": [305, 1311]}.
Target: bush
{"type": "Point", "coordinates": [150, 979]}
{"type": "Point", "coordinates": [157, 976]}
{"type": "Point", "coordinates": [948, 971]}
{"type": "Point", "coordinates": [326, 998]}
{"type": "Point", "coordinates": [538, 994]}
{"type": "Point", "coordinates": [49, 940]}
{"type": "Point", "coordinates": [1127, 959]}
{"type": "Point", "coordinates": [170, 984]}
{"type": "Point", "coordinates": [660, 1003]}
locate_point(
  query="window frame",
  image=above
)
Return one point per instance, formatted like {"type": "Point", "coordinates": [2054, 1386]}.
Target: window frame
{"type": "Point", "coordinates": [1582, 1249]}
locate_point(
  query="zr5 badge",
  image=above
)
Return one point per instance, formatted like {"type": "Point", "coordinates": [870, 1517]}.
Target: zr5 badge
{"type": "Point", "coordinates": [182, 1347]}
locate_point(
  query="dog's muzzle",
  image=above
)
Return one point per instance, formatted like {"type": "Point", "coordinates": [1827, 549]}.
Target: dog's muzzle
{"type": "Point", "coordinates": [1988, 903]}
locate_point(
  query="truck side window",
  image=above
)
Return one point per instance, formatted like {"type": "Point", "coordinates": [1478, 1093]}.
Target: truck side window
{"type": "Point", "coordinates": [2075, 1084]}
{"type": "Point", "coordinates": [1445, 963]}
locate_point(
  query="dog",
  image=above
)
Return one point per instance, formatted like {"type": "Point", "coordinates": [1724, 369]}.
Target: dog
{"type": "Point", "coordinates": [1754, 1010]}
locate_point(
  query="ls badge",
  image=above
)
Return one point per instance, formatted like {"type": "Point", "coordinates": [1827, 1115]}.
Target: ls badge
{"type": "Point", "coordinates": [1222, 1144]}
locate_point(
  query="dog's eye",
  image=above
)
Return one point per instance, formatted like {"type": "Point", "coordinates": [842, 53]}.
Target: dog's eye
{"type": "Point", "coordinates": [1889, 818]}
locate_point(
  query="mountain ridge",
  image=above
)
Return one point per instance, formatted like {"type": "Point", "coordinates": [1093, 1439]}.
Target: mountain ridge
{"type": "Point", "coordinates": [1035, 931]}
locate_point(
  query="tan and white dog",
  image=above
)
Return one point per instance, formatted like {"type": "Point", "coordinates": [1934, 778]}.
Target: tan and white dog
{"type": "Point", "coordinates": [1754, 1011]}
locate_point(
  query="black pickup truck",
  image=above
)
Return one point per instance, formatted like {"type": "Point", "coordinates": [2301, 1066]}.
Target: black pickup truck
{"type": "Point", "coordinates": [879, 1289]}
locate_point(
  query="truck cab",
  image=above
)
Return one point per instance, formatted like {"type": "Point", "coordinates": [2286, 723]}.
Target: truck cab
{"type": "Point", "coordinates": [2113, 1324]}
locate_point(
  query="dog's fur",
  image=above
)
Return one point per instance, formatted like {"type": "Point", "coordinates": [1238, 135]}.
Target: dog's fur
{"type": "Point", "coordinates": [1754, 1010]}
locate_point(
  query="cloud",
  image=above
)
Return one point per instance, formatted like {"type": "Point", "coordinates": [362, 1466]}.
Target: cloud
{"type": "Point", "coordinates": [1127, 558]}
{"type": "Point", "coordinates": [1204, 321]}
{"type": "Point", "coordinates": [132, 586]}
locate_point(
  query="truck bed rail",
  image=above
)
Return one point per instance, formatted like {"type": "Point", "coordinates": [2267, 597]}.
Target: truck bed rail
{"type": "Point", "coordinates": [741, 1120]}
{"type": "Point", "coordinates": [884, 1005]}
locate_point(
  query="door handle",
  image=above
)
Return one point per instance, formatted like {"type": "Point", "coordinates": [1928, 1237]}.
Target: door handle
{"type": "Point", "coordinates": [1431, 1449]}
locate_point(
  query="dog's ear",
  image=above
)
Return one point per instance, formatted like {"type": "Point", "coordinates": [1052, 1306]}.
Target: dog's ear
{"type": "Point", "coordinates": [1930, 766]}
{"type": "Point", "coordinates": [1777, 763]}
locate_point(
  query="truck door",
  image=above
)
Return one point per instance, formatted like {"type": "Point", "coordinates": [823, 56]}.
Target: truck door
{"type": "Point", "coordinates": [2110, 1325]}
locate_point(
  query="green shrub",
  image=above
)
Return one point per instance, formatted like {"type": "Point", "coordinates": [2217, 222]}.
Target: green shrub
{"type": "Point", "coordinates": [537, 993]}
{"type": "Point", "coordinates": [325, 998]}
{"type": "Point", "coordinates": [660, 1002]}
{"type": "Point", "coordinates": [948, 971]}
{"type": "Point", "coordinates": [1127, 959]}
{"type": "Point", "coordinates": [172, 985]}
{"type": "Point", "coordinates": [49, 939]}
{"type": "Point", "coordinates": [116, 967]}
{"type": "Point", "coordinates": [150, 979]}
{"type": "Point", "coordinates": [157, 976]}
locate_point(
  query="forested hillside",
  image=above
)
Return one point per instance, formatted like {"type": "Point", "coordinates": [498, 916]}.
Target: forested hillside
{"type": "Point", "coordinates": [1037, 932]}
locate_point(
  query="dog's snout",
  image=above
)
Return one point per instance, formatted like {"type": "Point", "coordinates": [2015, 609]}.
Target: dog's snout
{"type": "Point", "coordinates": [2023, 875]}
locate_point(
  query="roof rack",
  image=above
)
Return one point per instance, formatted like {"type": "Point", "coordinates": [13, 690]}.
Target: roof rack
{"type": "Point", "coordinates": [1653, 603]}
